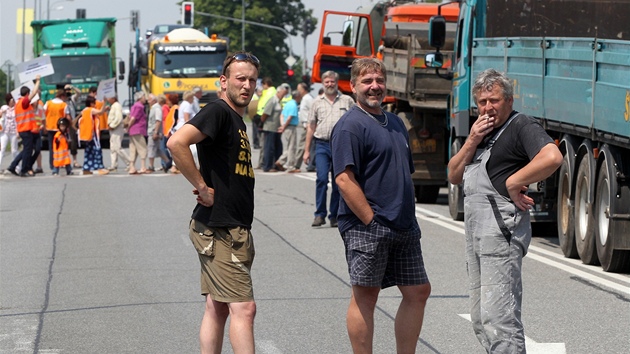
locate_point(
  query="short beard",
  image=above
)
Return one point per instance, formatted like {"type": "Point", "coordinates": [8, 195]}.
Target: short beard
{"type": "Point", "coordinates": [236, 99]}
{"type": "Point", "coordinates": [371, 103]}
{"type": "Point", "coordinates": [330, 90]}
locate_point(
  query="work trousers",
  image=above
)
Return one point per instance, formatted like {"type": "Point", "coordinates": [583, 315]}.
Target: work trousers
{"type": "Point", "coordinates": [323, 156]}
{"type": "Point", "coordinates": [497, 237]}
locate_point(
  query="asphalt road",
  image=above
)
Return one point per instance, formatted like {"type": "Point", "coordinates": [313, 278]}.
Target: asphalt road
{"type": "Point", "coordinates": [103, 264]}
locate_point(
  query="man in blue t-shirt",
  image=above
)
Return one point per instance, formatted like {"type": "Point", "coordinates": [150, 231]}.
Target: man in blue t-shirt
{"type": "Point", "coordinates": [289, 121]}
{"type": "Point", "coordinates": [372, 167]}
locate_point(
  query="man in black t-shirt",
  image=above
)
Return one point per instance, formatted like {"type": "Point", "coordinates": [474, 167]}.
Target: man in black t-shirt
{"type": "Point", "coordinates": [220, 229]}
{"type": "Point", "coordinates": [504, 153]}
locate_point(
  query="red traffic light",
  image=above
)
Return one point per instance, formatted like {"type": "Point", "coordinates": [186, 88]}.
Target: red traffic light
{"type": "Point", "coordinates": [290, 73]}
{"type": "Point", "coordinates": [187, 7]}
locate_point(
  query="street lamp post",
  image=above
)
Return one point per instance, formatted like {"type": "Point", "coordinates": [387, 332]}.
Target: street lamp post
{"type": "Point", "coordinates": [9, 65]}
{"type": "Point", "coordinates": [243, 25]}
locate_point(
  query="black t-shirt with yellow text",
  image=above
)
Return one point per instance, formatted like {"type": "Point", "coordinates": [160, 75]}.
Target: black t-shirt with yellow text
{"type": "Point", "coordinates": [225, 165]}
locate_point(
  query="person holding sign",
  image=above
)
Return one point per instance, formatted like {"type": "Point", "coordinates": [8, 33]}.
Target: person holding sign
{"type": "Point", "coordinates": [27, 129]}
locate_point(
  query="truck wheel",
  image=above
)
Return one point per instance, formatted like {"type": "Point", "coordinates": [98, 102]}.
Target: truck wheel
{"type": "Point", "coordinates": [607, 203]}
{"type": "Point", "coordinates": [455, 191]}
{"type": "Point", "coordinates": [584, 220]}
{"type": "Point", "coordinates": [566, 223]}
{"type": "Point", "coordinates": [427, 194]}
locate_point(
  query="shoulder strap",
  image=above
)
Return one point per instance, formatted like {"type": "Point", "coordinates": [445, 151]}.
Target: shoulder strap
{"type": "Point", "coordinates": [498, 134]}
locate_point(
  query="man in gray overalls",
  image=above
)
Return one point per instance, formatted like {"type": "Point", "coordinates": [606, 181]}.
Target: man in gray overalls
{"type": "Point", "coordinates": [505, 152]}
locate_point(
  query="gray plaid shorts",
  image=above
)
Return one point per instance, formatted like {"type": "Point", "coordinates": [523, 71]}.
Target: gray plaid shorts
{"type": "Point", "coordinates": [380, 256]}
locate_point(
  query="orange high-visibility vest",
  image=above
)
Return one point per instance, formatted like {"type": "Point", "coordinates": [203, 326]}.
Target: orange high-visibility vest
{"type": "Point", "coordinates": [61, 153]}
{"type": "Point", "coordinates": [25, 118]}
{"type": "Point", "coordinates": [54, 112]}
{"type": "Point", "coordinates": [102, 118]}
{"type": "Point", "coordinates": [169, 120]}
{"type": "Point", "coordinates": [86, 124]}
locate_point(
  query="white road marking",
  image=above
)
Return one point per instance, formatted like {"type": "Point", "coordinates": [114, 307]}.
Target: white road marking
{"type": "Point", "coordinates": [534, 253]}
{"type": "Point", "coordinates": [536, 348]}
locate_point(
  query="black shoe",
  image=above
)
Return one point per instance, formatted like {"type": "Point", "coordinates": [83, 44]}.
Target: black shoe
{"type": "Point", "coordinates": [333, 222]}
{"type": "Point", "coordinates": [319, 221]}
{"type": "Point", "coordinates": [38, 170]}
{"type": "Point", "coordinates": [13, 171]}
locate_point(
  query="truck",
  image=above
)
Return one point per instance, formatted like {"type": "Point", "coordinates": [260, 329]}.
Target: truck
{"type": "Point", "coordinates": [396, 33]}
{"type": "Point", "coordinates": [570, 70]}
{"type": "Point", "coordinates": [82, 52]}
{"type": "Point", "coordinates": [178, 61]}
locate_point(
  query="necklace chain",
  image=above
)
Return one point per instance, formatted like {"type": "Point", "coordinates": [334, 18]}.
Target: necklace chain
{"type": "Point", "coordinates": [384, 123]}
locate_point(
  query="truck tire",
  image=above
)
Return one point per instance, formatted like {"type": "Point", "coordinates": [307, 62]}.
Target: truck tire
{"type": "Point", "coordinates": [607, 203]}
{"type": "Point", "coordinates": [584, 220]}
{"type": "Point", "coordinates": [565, 216]}
{"type": "Point", "coordinates": [455, 191]}
{"type": "Point", "coordinates": [427, 194]}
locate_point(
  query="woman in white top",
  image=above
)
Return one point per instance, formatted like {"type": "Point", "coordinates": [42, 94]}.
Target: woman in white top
{"type": "Point", "coordinates": [8, 128]}
{"type": "Point", "coordinates": [186, 111]}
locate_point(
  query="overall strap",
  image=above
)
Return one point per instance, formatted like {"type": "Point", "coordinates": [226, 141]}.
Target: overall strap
{"type": "Point", "coordinates": [498, 134]}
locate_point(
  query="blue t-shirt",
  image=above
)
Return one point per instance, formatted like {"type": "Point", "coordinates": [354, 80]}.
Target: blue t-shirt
{"type": "Point", "coordinates": [381, 161]}
{"type": "Point", "coordinates": [291, 110]}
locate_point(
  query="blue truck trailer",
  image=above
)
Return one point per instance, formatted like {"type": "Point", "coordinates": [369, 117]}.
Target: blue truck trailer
{"type": "Point", "coordinates": [570, 65]}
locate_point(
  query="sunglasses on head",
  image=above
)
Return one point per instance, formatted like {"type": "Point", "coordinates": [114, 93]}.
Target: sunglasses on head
{"type": "Point", "coordinates": [242, 57]}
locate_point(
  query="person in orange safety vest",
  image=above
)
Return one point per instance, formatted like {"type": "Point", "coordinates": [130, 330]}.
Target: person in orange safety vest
{"type": "Point", "coordinates": [89, 135]}
{"type": "Point", "coordinates": [61, 147]}
{"type": "Point", "coordinates": [28, 130]}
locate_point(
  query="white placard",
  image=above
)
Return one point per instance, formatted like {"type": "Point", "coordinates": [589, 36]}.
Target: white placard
{"type": "Point", "coordinates": [106, 89]}
{"type": "Point", "coordinates": [29, 70]}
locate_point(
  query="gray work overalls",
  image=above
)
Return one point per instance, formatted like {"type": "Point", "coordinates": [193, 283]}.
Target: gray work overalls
{"type": "Point", "coordinates": [497, 237]}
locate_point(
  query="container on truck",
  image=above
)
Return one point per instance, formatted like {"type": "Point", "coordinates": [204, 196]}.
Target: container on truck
{"type": "Point", "coordinates": [570, 70]}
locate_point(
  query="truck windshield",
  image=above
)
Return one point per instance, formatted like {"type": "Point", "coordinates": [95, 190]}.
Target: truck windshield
{"type": "Point", "coordinates": [76, 70]}
{"type": "Point", "coordinates": [187, 64]}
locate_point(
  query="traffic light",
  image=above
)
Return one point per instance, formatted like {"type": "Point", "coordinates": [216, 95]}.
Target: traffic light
{"type": "Point", "coordinates": [290, 73]}
{"type": "Point", "coordinates": [135, 19]}
{"type": "Point", "coordinates": [188, 12]}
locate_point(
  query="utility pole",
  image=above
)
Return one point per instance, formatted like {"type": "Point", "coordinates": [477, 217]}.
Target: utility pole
{"type": "Point", "coordinates": [243, 25]}
{"type": "Point", "coordinates": [23, 29]}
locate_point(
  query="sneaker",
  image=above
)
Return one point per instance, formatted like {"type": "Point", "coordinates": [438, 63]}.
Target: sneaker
{"type": "Point", "coordinates": [13, 171]}
{"type": "Point", "coordinates": [295, 170]}
{"type": "Point", "coordinates": [333, 222]}
{"type": "Point", "coordinates": [319, 221]}
{"type": "Point", "coordinates": [70, 173]}
{"type": "Point", "coordinates": [112, 169]}
{"type": "Point", "coordinates": [55, 174]}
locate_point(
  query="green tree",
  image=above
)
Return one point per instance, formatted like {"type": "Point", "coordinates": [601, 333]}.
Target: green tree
{"type": "Point", "coordinates": [3, 86]}
{"type": "Point", "coordinates": [268, 44]}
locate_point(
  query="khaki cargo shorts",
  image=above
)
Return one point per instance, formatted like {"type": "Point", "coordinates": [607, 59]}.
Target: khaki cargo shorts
{"type": "Point", "coordinates": [226, 256]}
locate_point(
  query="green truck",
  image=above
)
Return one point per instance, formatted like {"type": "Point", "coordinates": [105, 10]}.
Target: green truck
{"type": "Point", "coordinates": [82, 52]}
